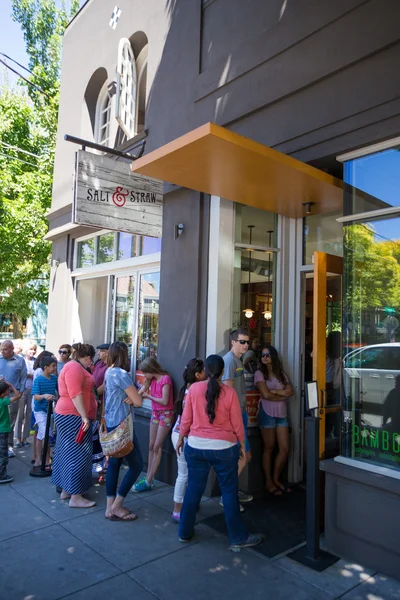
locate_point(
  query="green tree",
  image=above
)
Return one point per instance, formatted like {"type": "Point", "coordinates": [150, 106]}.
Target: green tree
{"type": "Point", "coordinates": [28, 121]}
{"type": "Point", "coordinates": [372, 273]}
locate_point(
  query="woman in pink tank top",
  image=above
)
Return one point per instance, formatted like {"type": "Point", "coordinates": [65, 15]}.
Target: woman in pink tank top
{"type": "Point", "coordinates": [274, 388]}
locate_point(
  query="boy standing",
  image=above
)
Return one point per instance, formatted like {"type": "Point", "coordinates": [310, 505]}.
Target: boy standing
{"type": "Point", "coordinates": [44, 391]}
{"type": "Point", "coordinates": [5, 427]}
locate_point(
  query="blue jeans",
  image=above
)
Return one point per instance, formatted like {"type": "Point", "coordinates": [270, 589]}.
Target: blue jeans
{"type": "Point", "coordinates": [225, 463]}
{"type": "Point", "coordinates": [135, 464]}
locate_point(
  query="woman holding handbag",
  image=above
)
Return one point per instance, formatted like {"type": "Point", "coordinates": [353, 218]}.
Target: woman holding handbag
{"type": "Point", "coordinates": [72, 467]}
{"type": "Point", "coordinates": [120, 395]}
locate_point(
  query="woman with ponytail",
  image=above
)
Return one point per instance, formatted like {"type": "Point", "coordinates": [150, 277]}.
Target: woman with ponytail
{"type": "Point", "coordinates": [194, 371]}
{"type": "Point", "coordinates": [212, 422]}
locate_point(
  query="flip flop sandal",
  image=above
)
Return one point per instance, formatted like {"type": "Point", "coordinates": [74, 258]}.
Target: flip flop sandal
{"type": "Point", "coordinates": [128, 517]}
{"type": "Point", "coordinates": [275, 492]}
{"type": "Point", "coordinates": [286, 489]}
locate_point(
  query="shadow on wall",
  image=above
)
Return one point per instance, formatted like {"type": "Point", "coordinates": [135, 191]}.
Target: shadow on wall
{"type": "Point", "coordinates": [194, 45]}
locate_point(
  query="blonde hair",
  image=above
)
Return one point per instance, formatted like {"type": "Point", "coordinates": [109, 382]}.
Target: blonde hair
{"type": "Point", "coordinates": [152, 367]}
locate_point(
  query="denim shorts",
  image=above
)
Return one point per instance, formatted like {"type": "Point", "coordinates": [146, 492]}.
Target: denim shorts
{"type": "Point", "coordinates": [267, 422]}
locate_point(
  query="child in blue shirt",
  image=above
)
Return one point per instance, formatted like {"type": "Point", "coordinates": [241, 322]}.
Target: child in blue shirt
{"type": "Point", "coordinates": [44, 391]}
{"type": "Point", "coordinates": [5, 427]}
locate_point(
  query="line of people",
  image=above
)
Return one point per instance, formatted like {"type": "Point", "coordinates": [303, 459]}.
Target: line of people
{"type": "Point", "coordinates": [208, 425]}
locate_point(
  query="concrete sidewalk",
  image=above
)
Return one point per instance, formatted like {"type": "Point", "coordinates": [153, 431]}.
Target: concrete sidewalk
{"type": "Point", "coordinates": [49, 551]}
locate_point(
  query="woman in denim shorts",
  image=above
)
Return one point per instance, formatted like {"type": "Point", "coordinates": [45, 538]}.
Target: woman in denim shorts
{"type": "Point", "coordinates": [274, 388]}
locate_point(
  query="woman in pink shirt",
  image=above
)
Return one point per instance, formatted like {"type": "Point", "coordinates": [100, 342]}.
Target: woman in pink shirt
{"type": "Point", "coordinates": [274, 387]}
{"type": "Point", "coordinates": [72, 468]}
{"type": "Point", "coordinates": [212, 422]}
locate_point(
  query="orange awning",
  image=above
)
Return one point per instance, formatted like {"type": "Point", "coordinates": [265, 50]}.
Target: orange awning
{"type": "Point", "coordinates": [214, 160]}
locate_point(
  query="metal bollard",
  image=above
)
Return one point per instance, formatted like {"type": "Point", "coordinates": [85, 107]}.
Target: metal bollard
{"type": "Point", "coordinates": [310, 554]}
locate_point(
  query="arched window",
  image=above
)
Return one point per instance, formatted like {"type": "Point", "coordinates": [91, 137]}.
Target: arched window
{"type": "Point", "coordinates": [103, 116]}
{"type": "Point", "coordinates": [126, 88]}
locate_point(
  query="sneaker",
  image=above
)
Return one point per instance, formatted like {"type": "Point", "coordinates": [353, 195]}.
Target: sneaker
{"type": "Point", "coordinates": [142, 486]}
{"type": "Point", "coordinates": [19, 445]}
{"type": "Point", "coordinates": [11, 453]}
{"type": "Point", "coordinates": [244, 497]}
{"type": "Point", "coordinates": [185, 540]}
{"type": "Point", "coordinates": [26, 444]}
{"type": "Point", "coordinates": [6, 479]}
{"type": "Point", "coordinates": [252, 540]}
{"type": "Point", "coordinates": [176, 517]}
{"type": "Point", "coordinates": [221, 503]}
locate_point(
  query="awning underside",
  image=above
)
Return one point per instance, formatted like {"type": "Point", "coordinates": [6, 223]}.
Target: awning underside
{"type": "Point", "coordinates": [216, 161]}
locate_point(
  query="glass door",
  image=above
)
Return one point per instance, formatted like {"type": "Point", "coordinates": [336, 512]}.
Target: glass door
{"type": "Point", "coordinates": [326, 348]}
{"type": "Point", "coordinates": [124, 310]}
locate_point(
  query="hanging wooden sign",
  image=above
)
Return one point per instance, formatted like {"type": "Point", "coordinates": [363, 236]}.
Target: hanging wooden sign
{"type": "Point", "coordinates": [108, 195]}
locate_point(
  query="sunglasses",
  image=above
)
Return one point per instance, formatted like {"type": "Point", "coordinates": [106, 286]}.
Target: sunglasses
{"type": "Point", "coordinates": [63, 352]}
{"type": "Point", "coordinates": [265, 355]}
{"type": "Point", "coordinates": [243, 342]}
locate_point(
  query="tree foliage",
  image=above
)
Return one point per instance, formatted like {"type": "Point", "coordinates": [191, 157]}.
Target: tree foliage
{"type": "Point", "coordinates": [28, 121]}
{"type": "Point", "coordinates": [372, 274]}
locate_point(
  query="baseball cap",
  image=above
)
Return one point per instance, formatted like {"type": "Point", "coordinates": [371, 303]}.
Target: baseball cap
{"type": "Point", "coordinates": [103, 347]}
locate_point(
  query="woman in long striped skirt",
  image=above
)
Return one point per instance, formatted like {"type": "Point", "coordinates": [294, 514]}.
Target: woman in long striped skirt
{"type": "Point", "coordinates": [72, 467]}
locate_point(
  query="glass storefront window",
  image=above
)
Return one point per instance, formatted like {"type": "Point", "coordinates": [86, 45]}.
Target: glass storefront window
{"type": "Point", "coordinates": [124, 310]}
{"type": "Point", "coordinates": [254, 272]}
{"type": "Point", "coordinates": [322, 233]}
{"type": "Point", "coordinates": [91, 295]}
{"type": "Point", "coordinates": [371, 317]}
{"type": "Point", "coordinates": [150, 245]}
{"type": "Point", "coordinates": [148, 316]}
{"type": "Point", "coordinates": [263, 222]}
{"type": "Point", "coordinates": [374, 181]}
{"type": "Point", "coordinates": [105, 248]}
{"type": "Point", "coordinates": [108, 247]}
{"type": "Point", "coordinates": [85, 254]}
{"type": "Point", "coordinates": [127, 245]}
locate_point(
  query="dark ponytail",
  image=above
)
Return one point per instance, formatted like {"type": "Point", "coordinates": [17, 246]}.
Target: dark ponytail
{"type": "Point", "coordinates": [194, 366]}
{"type": "Point", "coordinates": [214, 369]}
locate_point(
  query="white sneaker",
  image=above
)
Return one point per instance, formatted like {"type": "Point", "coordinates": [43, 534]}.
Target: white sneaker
{"type": "Point", "coordinates": [11, 453]}
{"type": "Point", "coordinates": [244, 497]}
{"type": "Point", "coordinates": [221, 503]}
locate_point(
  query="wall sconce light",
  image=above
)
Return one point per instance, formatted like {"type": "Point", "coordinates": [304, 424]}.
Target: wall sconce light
{"type": "Point", "coordinates": [178, 230]}
{"type": "Point", "coordinates": [308, 206]}
{"type": "Point", "coordinates": [267, 315]}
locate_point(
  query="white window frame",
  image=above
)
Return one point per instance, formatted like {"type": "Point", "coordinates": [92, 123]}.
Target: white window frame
{"type": "Point", "coordinates": [103, 116]}
{"type": "Point", "coordinates": [126, 88]}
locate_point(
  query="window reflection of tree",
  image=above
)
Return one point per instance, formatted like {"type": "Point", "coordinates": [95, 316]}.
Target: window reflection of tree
{"type": "Point", "coordinates": [372, 284]}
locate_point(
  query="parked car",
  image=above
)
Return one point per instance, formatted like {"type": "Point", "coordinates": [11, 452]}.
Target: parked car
{"type": "Point", "coordinates": [369, 375]}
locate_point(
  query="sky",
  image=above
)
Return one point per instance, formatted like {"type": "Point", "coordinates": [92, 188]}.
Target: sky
{"type": "Point", "coordinates": [11, 39]}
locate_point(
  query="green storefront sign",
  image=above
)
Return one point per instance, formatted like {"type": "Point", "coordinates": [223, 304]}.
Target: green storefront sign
{"type": "Point", "coordinates": [375, 443]}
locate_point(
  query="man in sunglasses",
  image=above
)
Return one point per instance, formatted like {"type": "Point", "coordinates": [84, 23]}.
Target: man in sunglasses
{"type": "Point", "coordinates": [233, 376]}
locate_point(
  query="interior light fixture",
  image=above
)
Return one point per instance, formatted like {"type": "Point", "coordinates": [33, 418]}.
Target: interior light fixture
{"type": "Point", "coordinates": [308, 206]}
{"type": "Point", "coordinates": [267, 313]}
{"type": "Point", "coordinates": [249, 312]}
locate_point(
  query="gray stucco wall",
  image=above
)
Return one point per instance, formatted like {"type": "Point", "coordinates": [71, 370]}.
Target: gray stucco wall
{"type": "Point", "coordinates": [184, 263]}
{"type": "Point", "coordinates": [361, 517]}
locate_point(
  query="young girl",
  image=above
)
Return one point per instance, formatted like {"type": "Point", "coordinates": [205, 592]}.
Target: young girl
{"type": "Point", "coordinates": [194, 371]}
{"type": "Point", "coordinates": [274, 388]}
{"type": "Point", "coordinates": [158, 389]}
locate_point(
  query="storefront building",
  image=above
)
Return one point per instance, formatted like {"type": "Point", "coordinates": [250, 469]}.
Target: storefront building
{"type": "Point", "coordinates": [274, 132]}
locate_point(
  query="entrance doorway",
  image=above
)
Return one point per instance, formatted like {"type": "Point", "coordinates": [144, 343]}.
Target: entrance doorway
{"type": "Point", "coordinates": [322, 301]}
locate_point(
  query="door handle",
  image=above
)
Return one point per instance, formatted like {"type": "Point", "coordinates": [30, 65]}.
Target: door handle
{"type": "Point", "coordinates": [375, 376]}
{"type": "Point", "coordinates": [389, 376]}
